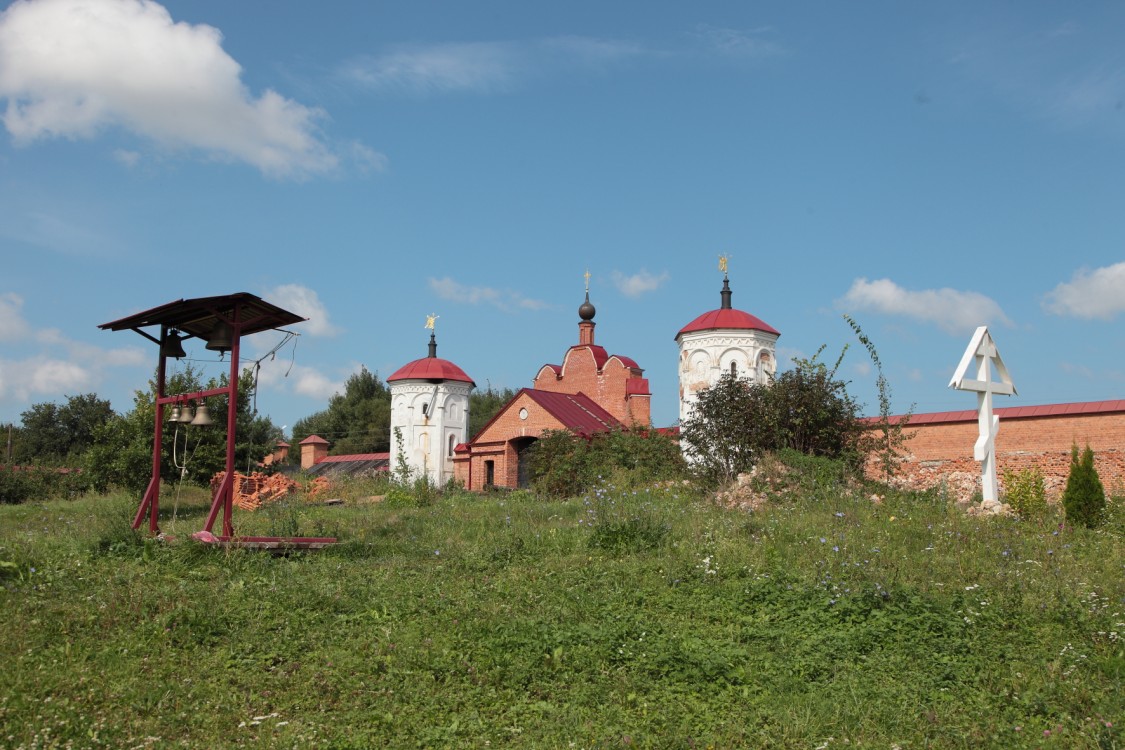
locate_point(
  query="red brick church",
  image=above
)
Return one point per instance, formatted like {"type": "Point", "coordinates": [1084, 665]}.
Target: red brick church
{"type": "Point", "coordinates": [591, 391]}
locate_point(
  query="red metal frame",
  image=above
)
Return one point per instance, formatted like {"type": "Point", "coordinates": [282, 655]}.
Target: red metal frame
{"type": "Point", "coordinates": [224, 497]}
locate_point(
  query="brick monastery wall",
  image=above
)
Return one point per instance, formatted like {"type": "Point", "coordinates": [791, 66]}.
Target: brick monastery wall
{"type": "Point", "coordinates": [943, 451]}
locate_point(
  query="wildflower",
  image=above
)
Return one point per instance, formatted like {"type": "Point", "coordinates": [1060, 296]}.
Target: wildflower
{"type": "Point", "coordinates": [822, 541]}
{"type": "Point", "coordinates": [835, 549]}
{"type": "Point", "coordinates": [839, 514]}
{"type": "Point", "coordinates": [437, 551]}
{"type": "Point", "coordinates": [891, 518]}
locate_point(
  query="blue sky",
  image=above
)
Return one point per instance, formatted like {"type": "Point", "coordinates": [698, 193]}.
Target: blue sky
{"type": "Point", "coordinates": [927, 168]}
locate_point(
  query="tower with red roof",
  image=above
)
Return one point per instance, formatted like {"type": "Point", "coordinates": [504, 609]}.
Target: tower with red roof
{"type": "Point", "coordinates": [429, 413]}
{"type": "Point", "coordinates": [720, 342]}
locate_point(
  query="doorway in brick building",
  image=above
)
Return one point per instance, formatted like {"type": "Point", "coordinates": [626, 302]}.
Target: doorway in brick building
{"type": "Point", "coordinates": [523, 474]}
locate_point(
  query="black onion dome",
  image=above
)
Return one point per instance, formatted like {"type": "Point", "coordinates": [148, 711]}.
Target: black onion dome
{"type": "Point", "coordinates": [586, 311]}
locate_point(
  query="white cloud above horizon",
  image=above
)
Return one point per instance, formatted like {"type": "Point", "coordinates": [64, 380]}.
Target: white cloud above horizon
{"type": "Point", "coordinates": [1098, 294]}
{"type": "Point", "coordinates": [953, 311]}
{"type": "Point", "coordinates": [492, 66]}
{"type": "Point", "coordinates": [55, 365]}
{"type": "Point", "coordinates": [741, 43]}
{"type": "Point", "coordinates": [306, 303]}
{"type": "Point", "coordinates": [504, 299]}
{"type": "Point", "coordinates": [301, 380]}
{"type": "Point", "coordinates": [127, 64]}
{"type": "Point", "coordinates": [637, 284]}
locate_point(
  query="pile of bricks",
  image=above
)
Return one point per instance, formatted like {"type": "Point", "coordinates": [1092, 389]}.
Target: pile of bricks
{"type": "Point", "coordinates": [251, 491]}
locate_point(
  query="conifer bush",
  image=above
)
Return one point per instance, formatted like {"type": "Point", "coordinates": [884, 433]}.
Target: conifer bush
{"type": "Point", "coordinates": [1084, 497]}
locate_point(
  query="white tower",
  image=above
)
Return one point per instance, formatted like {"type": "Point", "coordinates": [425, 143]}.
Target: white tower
{"type": "Point", "coordinates": [720, 342]}
{"type": "Point", "coordinates": [429, 413]}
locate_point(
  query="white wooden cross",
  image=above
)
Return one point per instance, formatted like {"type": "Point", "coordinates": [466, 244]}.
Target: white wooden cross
{"type": "Point", "coordinates": [982, 351]}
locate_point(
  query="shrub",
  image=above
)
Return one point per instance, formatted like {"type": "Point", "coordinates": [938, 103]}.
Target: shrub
{"type": "Point", "coordinates": [23, 484]}
{"type": "Point", "coordinates": [564, 464]}
{"type": "Point", "coordinates": [1026, 492]}
{"type": "Point", "coordinates": [807, 409]}
{"type": "Point", "coordinates": [1084, 497]}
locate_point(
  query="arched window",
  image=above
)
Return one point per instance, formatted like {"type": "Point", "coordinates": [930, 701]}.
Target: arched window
{"type": "Point", "coordinates": [451, 444]}
{"type": "Point", "coordinates": [734, 369]}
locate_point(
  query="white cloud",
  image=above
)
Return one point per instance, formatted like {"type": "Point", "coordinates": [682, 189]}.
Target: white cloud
{"type": "Point", "coordinates": [1090, 294]}
{"type": "Point", "coordinates": [952, 310]}
{"type": "Point", "coordinates": [471, 66]}
{"type": "Point", "coordinates": [507, 300]}
{"type": "Point", "coordinates": [745, 43]}
{"type": "Point", "coordinates": [481, 67]}
{"type": "Point", "coordinates": [306, 303]}
{"type": "Point", "coordinates": [52, 365]}
{"type": "Point", "coordinates": [639, 283]}
{"type": "Point", "coordinates": [299, 379]}
{"type": "Point", "coordinates": [41, 375]}
{"type": "Point", "coordinates": [69, 68]}
{"type": "Point", "coordinates": [12, 325]}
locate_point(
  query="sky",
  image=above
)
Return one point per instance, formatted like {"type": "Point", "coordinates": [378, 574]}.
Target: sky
{"type": "Point", "coordinates": [926, 168]}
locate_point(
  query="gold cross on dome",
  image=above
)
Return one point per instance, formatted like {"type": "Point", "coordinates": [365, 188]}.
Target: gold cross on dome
{"type": "Point", "coordinates": [723, 263]}
{"type": "Point", "coordinates": [430, 320]}
{"type": "Point", "coordinates": [587, 277]}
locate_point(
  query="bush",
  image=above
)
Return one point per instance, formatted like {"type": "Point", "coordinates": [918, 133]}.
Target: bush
{"type": "Point", "coordinates": [1084, 497]}
{"type": "Point", "coordinates": [565, 465]}
{"type": "Point", "coordinates": [807, 409]}
{"type": "Point", "coordinates": [1026, 492]}
{"type": "Point", "coordinates": [20, 485]}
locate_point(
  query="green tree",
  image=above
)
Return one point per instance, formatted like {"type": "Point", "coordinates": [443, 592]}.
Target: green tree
{"type": "Point", "coordinates": [60, 434]}
{"type": "Point", "coordinates": [484, 405]}
{"type": "Point", "coordinates": [356, 421]}
{"type": "Point", "coordinates": [122, 450]}
{"type": "Point", "coordinates": [1084, 496]}
{"type": "Point", "coordinates": [806, 409]}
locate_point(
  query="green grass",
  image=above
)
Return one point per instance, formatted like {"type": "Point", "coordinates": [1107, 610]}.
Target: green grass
{"type": "Point", "coordinates": [616, 620]}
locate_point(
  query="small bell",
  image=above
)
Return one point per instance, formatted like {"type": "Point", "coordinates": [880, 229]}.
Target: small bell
{"type": "Point", "coordinates": [202, 418]}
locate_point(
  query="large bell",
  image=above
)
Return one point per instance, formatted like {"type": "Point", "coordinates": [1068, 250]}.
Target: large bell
{"type": "Point", "coordinates": [202, 418]}
{"type": "Point", "coordinates": [175, 415]}
{"type": "Point", "coordinates": [221, 337]}
{"type": "Point", "coordinates": [183, 414]}
{"type": "Point", "coordinates": [172, 346]}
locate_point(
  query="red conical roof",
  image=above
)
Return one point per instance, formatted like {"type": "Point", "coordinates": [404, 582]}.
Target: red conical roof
{"type": "Point", "coordinates": [728, 319]}
{"type": "Point", "coordinates": [431, 368]}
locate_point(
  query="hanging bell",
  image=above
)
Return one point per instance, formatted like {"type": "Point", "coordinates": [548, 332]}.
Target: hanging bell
{"type": "Point", "coordinates": [172, 346]}
{"type": "Point", "coordinates": [175, 416]}
{"type": "Point", "coordinates": [186, 414]}
{"type": "Point", "coordinates": [220, 338]}
{"type": "Point", "coordinates": [202, 418]}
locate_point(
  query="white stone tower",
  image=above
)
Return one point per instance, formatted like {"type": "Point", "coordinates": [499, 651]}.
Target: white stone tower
{"type": "Point", "coordinates": [720, 342]}
{"type": "Point", "coordinates": [430, 411]}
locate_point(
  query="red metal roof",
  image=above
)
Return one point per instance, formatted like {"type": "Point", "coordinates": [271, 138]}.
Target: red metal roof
{"type": "Point", "coordinates": [576, 411]}
{"type": "Point", "coordinates": [357, 457]}
{"type": "Point", "coordinates": [1013, 412]}
{"type": "Point", "coordinates": [431, 368]}
{"type": "Point", "coordinates": [627, 361]}
{"type": "Point", "coordinates": [313, 440]}
{"type": "Point", "coordinates": [728, 319]}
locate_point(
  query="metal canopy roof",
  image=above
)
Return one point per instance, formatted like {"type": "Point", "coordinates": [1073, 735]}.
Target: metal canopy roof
{"type": "Point", "coordinates": [198, 316]}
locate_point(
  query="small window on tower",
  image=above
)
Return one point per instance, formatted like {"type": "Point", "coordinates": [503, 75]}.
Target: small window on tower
{"type": "Point", "coordinates": [425, 408]}
{"type": "Point", "coordinates": [734, 369]}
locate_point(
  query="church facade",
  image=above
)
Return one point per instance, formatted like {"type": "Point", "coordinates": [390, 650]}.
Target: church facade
{"type": "Point", "coordinates": [591, 391]}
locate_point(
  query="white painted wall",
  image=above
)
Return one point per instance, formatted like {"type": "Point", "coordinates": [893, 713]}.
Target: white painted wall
{"type": "Point", "coordinates": [426, 432]}
{"type": "Point", "coordinates": [705, 356]}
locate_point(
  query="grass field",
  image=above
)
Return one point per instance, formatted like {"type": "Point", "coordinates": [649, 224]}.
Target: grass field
{"type": "Point", "coordinates": [648, 618]}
